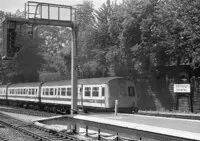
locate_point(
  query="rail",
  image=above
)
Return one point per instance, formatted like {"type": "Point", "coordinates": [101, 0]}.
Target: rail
{"type": "Point", "coordinates": [38, 133]}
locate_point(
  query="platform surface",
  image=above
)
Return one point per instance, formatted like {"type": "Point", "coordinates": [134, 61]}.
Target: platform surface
{"type": "Point", "coordinates": [169, 123]}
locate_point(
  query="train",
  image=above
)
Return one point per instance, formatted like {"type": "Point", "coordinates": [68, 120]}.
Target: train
{"type": "Point", "coordinates": [100, 94]}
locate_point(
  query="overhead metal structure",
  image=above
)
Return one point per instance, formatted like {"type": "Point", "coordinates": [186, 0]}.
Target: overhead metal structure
{"type": "Point", "coordinates": [49, 14]}
{"type": "Point", "coordinates": [39, 13]}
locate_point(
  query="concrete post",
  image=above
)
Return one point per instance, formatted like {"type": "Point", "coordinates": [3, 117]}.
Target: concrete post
{"type": "Point", "coordinates": [116, 107]}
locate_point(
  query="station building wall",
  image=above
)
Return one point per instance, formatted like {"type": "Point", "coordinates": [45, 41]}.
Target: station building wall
{"type": "Point", "coordinates": [155, 94]}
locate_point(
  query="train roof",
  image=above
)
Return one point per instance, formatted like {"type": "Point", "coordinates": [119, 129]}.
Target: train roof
{"type": "Point", "coordinates": [30, 84]}
{"type": "Point", "coordinates": [90, 81]}
{"type": "Point", "coordinates": [3, 86]}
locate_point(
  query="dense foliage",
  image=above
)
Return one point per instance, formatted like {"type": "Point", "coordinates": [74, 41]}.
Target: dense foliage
{"type": "Point", "coordinates": [124, 39]}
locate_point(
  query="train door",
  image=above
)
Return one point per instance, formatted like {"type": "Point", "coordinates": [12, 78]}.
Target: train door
{"type": "Point", "coordinates": [102, 96]}
{"type": "Point", "coordinates": [87, 95]}
{"type": "Point", "coordinates": [80, 96]}
{"type": "Point", "coordinates": [96, 96]}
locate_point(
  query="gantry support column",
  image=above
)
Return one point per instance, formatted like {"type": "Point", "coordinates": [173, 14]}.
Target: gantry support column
{"type": "Point", "coordinates": [74, 68]}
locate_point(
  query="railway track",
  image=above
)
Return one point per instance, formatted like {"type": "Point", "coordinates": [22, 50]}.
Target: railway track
{"type": "Point", "coordinates": [32, 112]}
{"type": "Point", "coordinates": [37, 133]}
{"type": "Point", "coordinates": [3, 139]}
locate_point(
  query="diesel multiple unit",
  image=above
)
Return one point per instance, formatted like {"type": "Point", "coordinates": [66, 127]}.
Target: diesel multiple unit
{"type": "Point", "coordinates": [93, 93]}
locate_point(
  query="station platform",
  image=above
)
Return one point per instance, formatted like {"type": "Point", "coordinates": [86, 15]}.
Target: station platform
{"type": "Point", "coordinates": [177, 114]}
{"type": "Point", "coordinates": [131, 126]}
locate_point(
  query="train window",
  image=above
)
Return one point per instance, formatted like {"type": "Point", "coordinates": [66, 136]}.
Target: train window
{"type": "Point", "coordinates": [95, 91]}
{"type": "Point", "coordinates": [47, 91]}
{"type": "Point", "coordinates": [68, 91]}
{"type": "Point", "coordinates": [103, 91]}
{"type": "Point", "coordinates": [87, 91]}
{"type": "Point", "coordinates": [131, 91]}
{"type": "Point", "coordinates": [58, 91]}
{"type": "Point", "coordinates": [29, 92]}
{"type": "Point", "coordinates": [55, 91]}
{"type": "Point", "coordinates": [43, 91]}
{"type": "Point", "coordinates": [51, 91]}
{"type": "Point", "coordinates": [33, 91]}
{"type": "Point", "coordinates": [63, 91]}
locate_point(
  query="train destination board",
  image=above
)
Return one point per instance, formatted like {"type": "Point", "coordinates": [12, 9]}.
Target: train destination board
{"type": "Point", "coordinates": [182, 88]}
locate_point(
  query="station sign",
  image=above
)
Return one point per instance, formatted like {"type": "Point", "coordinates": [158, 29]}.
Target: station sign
{"type": "Point", "coordinates": [182, 88]}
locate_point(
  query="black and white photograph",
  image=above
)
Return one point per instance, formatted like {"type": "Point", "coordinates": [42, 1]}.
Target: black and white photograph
{"type": "Point", "coordinates": [100, 70]}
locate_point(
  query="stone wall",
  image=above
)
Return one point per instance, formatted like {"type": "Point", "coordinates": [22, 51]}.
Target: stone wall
{"type": "Point", "coordinates": [195, 83]}
{"type": "Point", "coordinates": [155, 94]}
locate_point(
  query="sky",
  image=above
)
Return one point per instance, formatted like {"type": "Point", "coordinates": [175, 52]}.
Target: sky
{"type": "Point", "coordinates": [13, 5]}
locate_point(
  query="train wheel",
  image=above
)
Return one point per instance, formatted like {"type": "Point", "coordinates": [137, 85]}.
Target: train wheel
{"type": "Point", "coordinates": [63, 110]}
{"type": "Point", "coordinates": [36, 107]}
{"type": "Point", "coordinates": [24, 105]}
{"type": "Point", "coordinates": [46, 108]}
{"type": "Point", "coordinates": [135, 109]}
{"type": "Point", "coordinates": [54, 109]}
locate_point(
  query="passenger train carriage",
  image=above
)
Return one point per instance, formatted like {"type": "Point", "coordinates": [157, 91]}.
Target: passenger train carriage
{"type": "Point", "coordinates": [24, 92]}
{"type": "Point", "coordinates": [3, 92]}
{"type": "Point", "coordinates": [93, 93]}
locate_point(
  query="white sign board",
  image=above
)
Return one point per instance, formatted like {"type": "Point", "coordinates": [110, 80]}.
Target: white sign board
{"type": "Point", "coordinates": [182, 88]}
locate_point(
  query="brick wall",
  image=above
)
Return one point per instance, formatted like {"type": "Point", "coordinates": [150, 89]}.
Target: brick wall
{"type": "Point", "coordinates": [195, 83]}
